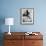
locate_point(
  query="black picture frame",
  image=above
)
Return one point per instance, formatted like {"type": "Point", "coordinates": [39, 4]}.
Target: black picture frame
{"type": "Point", "coordinates": [27, 15]}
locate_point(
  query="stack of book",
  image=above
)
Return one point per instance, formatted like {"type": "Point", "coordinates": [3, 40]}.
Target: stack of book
{"type": "Point", "coordinates": [30, 33]}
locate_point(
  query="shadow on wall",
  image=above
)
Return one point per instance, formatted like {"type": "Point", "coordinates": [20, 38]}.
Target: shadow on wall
{"type": "Point", "coordinates": [2, 21]}
{"type": "Point", "coordinates": [1, 39]}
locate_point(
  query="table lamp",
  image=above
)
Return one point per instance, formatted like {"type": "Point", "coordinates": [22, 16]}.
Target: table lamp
{"type": "Point", "coordinates": [9, 21]}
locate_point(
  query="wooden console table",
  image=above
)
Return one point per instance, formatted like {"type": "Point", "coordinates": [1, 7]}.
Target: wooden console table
{"type": "Point", "coordinates": [20, 39]}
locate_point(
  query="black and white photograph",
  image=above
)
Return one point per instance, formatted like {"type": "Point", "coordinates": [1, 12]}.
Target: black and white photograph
{"type": "Point", "coordinates": [27, 15]}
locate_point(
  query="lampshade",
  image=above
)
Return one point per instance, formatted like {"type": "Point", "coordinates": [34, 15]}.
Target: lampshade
{"type": "Point", "coordinates": [9, 21]}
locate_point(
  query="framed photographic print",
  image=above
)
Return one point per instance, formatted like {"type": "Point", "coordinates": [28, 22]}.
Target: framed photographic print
{"type": "Point", "coordinates": [27, 15]}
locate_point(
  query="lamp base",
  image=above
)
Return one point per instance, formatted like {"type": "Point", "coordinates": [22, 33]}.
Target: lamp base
{"type": "Point", "coordinates": [9, 33]}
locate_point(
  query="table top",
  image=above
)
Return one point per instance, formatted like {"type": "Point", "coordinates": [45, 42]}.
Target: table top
{"type": "Point", "coordinates": [22, 35]}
